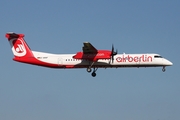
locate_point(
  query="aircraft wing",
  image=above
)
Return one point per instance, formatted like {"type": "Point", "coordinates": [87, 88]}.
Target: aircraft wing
{"type": "Point", "coordinates": [89, 49]}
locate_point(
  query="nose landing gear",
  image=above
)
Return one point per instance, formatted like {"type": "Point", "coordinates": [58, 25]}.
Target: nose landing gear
{"type": "Point", "coordinates": [163, 69]}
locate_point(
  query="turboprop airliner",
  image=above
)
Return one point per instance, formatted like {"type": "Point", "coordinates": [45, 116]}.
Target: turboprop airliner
{"type": "Point", "coordinates": [89, 58]}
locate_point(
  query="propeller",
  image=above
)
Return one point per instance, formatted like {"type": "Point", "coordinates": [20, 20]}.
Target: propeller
{"type": "Point", "coordinates": [113, 53]}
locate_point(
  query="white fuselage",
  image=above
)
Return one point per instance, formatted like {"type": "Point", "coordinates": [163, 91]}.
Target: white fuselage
{"type": "Point", "coordinates": [120, 60]}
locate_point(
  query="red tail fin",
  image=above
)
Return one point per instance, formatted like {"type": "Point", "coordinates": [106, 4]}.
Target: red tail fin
{"type": "Point", "coordinates": [20, 49]}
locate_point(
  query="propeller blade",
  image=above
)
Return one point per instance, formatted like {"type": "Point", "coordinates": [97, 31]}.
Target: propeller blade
{"type": "Point", "coordinates": [112, 49]}
{"type": "Point", "coordinates": [112, 58]}
{"type": "Point", "coordinates": [113, 53]}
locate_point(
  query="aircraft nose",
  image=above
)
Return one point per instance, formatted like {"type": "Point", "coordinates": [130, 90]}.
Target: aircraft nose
{"type": "Point", "coordinates": [168, 63]}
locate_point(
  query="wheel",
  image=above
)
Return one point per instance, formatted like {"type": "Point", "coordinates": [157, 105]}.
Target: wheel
{"type": "Point", "coordinates": [88, 69]}
{"type": "Point", "coordinates": [163, 69]}
{"type": "Point", "coordinates": [93, 74]}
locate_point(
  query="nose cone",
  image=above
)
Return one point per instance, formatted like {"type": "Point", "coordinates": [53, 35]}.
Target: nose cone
{"type": "Point", "coordinates": [168, 63]}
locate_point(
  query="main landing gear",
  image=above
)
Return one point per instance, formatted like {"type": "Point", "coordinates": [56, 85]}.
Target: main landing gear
{"type": "Point", "coordinates": [89, 70]}
{"type": "Point", "coordinates": [163, 69]}
{"type": "Point", "coordinates": [94, 71]}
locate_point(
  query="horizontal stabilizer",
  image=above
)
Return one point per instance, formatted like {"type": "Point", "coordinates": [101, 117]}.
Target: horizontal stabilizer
{"type": "Point", "coordinates": [11, 35]}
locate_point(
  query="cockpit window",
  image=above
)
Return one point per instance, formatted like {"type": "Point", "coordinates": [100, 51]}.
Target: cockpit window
{"type": "Point", "coordinates": [157, 56]}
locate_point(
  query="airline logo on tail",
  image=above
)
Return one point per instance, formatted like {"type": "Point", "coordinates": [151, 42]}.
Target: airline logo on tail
{"type": "Point", "coordinates": [18, 47]}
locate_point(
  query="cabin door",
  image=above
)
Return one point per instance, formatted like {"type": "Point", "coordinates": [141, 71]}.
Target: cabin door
{"type": "Point", "coordinates": [60, 61]}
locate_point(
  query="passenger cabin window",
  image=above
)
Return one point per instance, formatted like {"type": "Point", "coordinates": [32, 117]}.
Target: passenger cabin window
{"type": "Point", "coordinates": [156, 56]}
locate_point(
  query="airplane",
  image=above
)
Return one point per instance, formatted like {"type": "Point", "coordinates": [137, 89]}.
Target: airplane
{"type": "Point", "coordinates": [89, 58]}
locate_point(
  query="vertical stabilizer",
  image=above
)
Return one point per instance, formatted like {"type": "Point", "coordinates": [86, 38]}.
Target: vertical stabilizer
{"type": "Point", "coordinates": [19, 47]}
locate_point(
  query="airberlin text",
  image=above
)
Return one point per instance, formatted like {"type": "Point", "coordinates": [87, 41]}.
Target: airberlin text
{"type": "Point", "coordinates": [129, 58]}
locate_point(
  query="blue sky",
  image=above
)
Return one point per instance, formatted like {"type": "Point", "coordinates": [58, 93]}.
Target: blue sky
{"type": "Point", "coordinates": [61, 26]}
